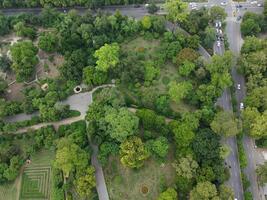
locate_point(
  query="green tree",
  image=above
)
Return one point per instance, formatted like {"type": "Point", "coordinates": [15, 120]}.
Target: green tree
{"type": "Point", "coordinates": [225, 123]}
{"type": "Point", "coordinates": [24, 31]}
{"type": "Point", "coordinates": [152, 8]}
{"type": "Point", "coordinates": [224, 151]}
{"type": "Point", "coordinates": [151, 71]}
{"type": "Point", "coordinates": [121, 123]}
{"type": "Point", "coordinates": [133, 152]}
{"type": "Point", "coordinates": [179, 91]}
{"type": "Point", "coordinates": [217, 13]}
{"type": "Point", "coordinates": [210, 37]}
{"type": "Point", "coordinates": [158, 146]}
{"type": "Point", "coordinates": [107, 57]}
{"type": "Point", "coordinates": [4, 25]}
{"type": "Point", "coordinates": [3, 85]}
{"type": "Point", "coordinates": [249, 115]}
{"type": "Point", "coordinates": [5, 63]}
{"type": "Point", "coordinates": [48, 42]}
{"type": "Point", "coordinates": [226, 193]}
{"type": "Point", "coordinates": [176, 10]}
{"type": "Point", "coordinates": [186, 167]}
{"type": "Point", "coordinates": [262, 174]}
{"type": "Point", "coordinates": [186, 68]}
{"type": "Point", "coordinates": [169, 194]}
{"type": "Point", "coordinates": [146, 22]}
{"type": "Point", "coordinates": [204, 191]}
{"type": "Point", "coordinates": [259, 127]}
{"type": "Point", "coordinates": [70, 156]}
{"type": "Point", "coordinates": [250, 27]}
{"type": "Point", "coordinates": [86, 182]}
{"type": "Point", "coordinates": [24, 59]}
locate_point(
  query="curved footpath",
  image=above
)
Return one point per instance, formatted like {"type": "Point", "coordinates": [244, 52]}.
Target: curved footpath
{"type": "Point", "coordinates": [81, 103]}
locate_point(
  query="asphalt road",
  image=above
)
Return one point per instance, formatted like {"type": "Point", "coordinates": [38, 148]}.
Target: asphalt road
{"type": "Point", "coordinates": [235, 43]}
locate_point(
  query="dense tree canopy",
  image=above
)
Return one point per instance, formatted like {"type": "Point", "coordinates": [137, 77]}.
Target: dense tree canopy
{"type": "Point", "coordinates": [133, 152]}
{"type": "Point", "coordinates": [24, 59]}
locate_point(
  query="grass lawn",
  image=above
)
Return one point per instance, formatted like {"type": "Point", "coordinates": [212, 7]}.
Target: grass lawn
{"type": "Point", "coordinates": [36, 178]}
{"type": "Point", "coordinates": [168, 73]}
{"type": "Point", "coordinates": [8, 191]}
{"type": "Point", "coordinates": [124, 183]}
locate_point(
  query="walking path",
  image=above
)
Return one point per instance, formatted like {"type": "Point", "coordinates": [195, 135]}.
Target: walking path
{"type": "Point", "coordinates": [81, 103]}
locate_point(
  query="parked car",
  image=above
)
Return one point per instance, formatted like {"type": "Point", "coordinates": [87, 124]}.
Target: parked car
{"type": "Point", "coordinates": [238, 86]}
{"type": "Point", "coordinates": [224, 3]}
{"type": "Point", "coordinates": [218, 43]}
{"type": "Point", "coordinates": [238, 18]}
{"type": "Point", "coordinates": [253, 2]}
{"type": "Point", "coordinates": [220, 24]}
{"type": "Point", "coordinates": [241, 106]}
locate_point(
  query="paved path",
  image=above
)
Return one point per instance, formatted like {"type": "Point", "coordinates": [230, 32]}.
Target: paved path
{"type": "Point", "coordinates": [81, 103]}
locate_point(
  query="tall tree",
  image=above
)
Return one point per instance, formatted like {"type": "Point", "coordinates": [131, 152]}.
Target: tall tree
{"type": "Point", "coordinates": [24, 59]}
{"type": "Point", "coordinates": [86, 182]}
{"type": "Point", "coordinates": [121, 123]}
{"type": "Point", "coordinates": [262, 173]}
{"type": "Point", "coordinates": [186, 167]}
{"type": "Point", "coordinates": [225, 123]}
{"type": "Point", "coordinates": [69, 157]}
{"type": "Point", "coordinates": [204, 191]}
{"type": "Point", "coordinates": [133, 152]}
{"type": "Point", "coordinates": [107, 57]}
{"type": "Point", "coordinates": [169, 194]}
{"type": "Point", "coordinates": [176, 10]}
{"type": "Point", "coordinates": [179, 91]}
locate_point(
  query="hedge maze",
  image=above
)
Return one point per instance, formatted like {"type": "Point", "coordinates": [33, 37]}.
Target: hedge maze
{"type": "Point", "coordinates": [36, 182]}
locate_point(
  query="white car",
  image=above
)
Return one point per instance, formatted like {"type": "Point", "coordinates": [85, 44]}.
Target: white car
{"type": "Point", "coordinates": [238, 86]}
{"type": "Point", "coordinates": [220, 24]}
{"type": "Point", "coordinates": [218, 43]}
{"type": "Point", "coordinates": [253, 2]}
{"type": "Point", "coordinates": [216, 24]}
{"type": "Point", "coordinates": [241, 106]}
{"type": "Point", "coordinates": [221, 31]}
{"type": "Point", "coordinates": [259, 5]}
{"type": "Point", "coordinates": [224, 3]}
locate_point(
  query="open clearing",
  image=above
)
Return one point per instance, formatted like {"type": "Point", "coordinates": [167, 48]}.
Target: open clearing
{"type": "Point", "coordinates": [124, 183]}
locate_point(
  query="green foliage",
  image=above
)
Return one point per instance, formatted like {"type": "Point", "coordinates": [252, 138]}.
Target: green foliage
{"type": "Point", "coordinates": [48, 42]}
{"type": "Point", "coordinates": [225, 123]}
{"type": "Point", "coordinates": [86, 182]}
{"type": "Point", "coordinates": [241, 153]}
{"type": "Point", "coordinates": [186, 167]}
{"type": "Point", "coordinates": [107, 57]}
{"type": "Point", "coordinates": [121, 123]}
{"type": "Point", "coordinates": [217, 13]}
{"type": "Point", "coordinates": [203, 191]}
{"type": "Point", "coordinates": [3, 85]}
{"type": "Point", "coordinates": [186, 54]}
{"type": "Point", "coordinates": [151, 71]}
{"type": "Point", "coordinates": [70, 157]}
{"type": "Point", "coordinates": [146, 22]}
{"type": "Point", "coordinates": [186, 68]}
{"type": "Point", "coordinates": [226, 193]}
{"type": "Point", "coordinates": [5, 63]}
{"type": "Point", "coordinates": [169, 194]}
{"type": "Point", "coordinates": [152, 8]}
{"type": "Point", "coordinates": [24, 31]}
{"type": "Point", "coordinates": [4, 25]}
{"type": "Point", "coordinates": [151, 121]}
{"type": "Point", "coordinates": [133, 152]}
{"type": "Point", "coordinates": [176, 10]}
{"type": "Point", "coordinates": [179, 91]}
{"type": "Point", "coordinates": [158, 147]}
{"type": "Point", "coordinates": [93, 77]}
{"type": "Point", "coordinates": [262, 173]}
{"type": "Point", "coordinates": [24, 59]}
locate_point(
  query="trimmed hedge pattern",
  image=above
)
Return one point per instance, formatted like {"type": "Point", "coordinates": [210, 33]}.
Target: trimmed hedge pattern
{"type": "Point", "coordinates": [36, 182]}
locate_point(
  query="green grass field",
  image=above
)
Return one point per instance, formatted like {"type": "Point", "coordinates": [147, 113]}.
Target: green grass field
{"type": "Point", "coordinates": [168, 73]}
{"type": "Point", "coordinates": [124, 183]}
{"type": "Point", "coordinates": [36, 179]}
{"type": "Point", "coordinates": [8, 192]}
